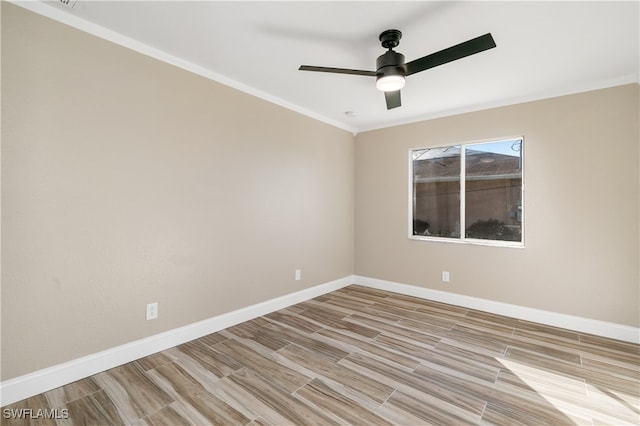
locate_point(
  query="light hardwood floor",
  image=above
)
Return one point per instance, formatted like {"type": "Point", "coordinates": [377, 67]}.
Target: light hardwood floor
{"type": "Point", "coordinates": [363, 356]}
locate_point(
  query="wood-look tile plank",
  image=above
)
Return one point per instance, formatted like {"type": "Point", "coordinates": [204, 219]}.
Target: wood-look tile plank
{"type": "Point", "coordinates": [432, 410]}
{"type": "Point", "coordinates": [179, 385]}
{"type": "Point", "coordinates": [377, 315]}
{"type": "Point", "coordinates": [492, 319]}
{"type": "Point", "coordinates": [567, 355]}
{"type": "Point", "coordinates": [415, 303]}
{"type": "Point", "coordinates": [438, 359]}
{"type": "Point", "coordinates": [544, 413]}
{"type": "Point", "coordinates": [346, 302]}
{"type": "Point", "coordinates": [614, 350]}
{"type": "Point", "coordinates": [606, 403]}
{"type": "Point", "coordinates": [320, 347]}
{"type": "Point", "coordinates": [604, 378]}
{"type": "Point", "coordinates": [245, 402]}
{"type": "Point", "coordinates": [152, 361]}
{"type": "Point", "coordinates": [475, 339]}
{"type": "Point", "coordinates": [372, 389]}
{"type": "Point", "coordinates": [572, 410]}
{"type": "Point", "coordinates": [442, 309]}
{"type": "Point", "coordinates": [632, 349]}
{"type": "Point", "coordinates": [543, 383]}
{"type": "Point", "coordinates": [543, 331]}
{"type": "Point", "coordinates": [263, 335]}
{"type": "Point", "coordinates": [166, 416]}
{"type": "Point", "coordinates": [329, 400]}
{"type": "Point", "coordinates": [60, 396]}
{"type": "Point", "coordinates": [132, 391]}
{"type": "Point", "coordinates": [542, 362]}
{"type": "Point", "coordinates": [191, 391]}
{"type": "Point", "coordinates": [372, 349]}
{"type": "Point", "coordinates": [408, 382]}
{"type": "Point", "coordinates": [425, 321]}
{"type": "Point", "coordinates": [624, 371]}
{"type": "Point", "coordinates": [602, 420]}
{"type": "Point", "coordinates": [178, 377]}
{"type": "Point", "coordinates": [320, 311]}
{"type": "Point", "coordinates": [405, 346]}
{"type": "Point", "coordinates": [286, 404]}
{"type": "Point", "coordinates": [294, 320]}
{"type": "Point", "coordinates": [470, 347]}
{"type": "Point", "coordinates": [396, 331]}
{"type": "Point", "coordinates": [365, 293]}
{"type": "Point", "coordinates": [506, 415]}
{"type": "Point", "coordinates": [278, 374]}
{"type": "Point", "coordinates": [213, 339]}
{"type": "Point", "coordinates": [407, 313]}
{"type": "Point", "coordinates": [399, 415]}
{"type": "Point", "coordinates": [390, 308]}
{"type": "Point", "coordinates": [215, 362]}
{"type": "Point", "coordinates": [95, 409]}
{"type": "Point", "coordinates": [561, 367]}
{"type": "Point", "coordinates": [204, 375]}
{"type": "Point", "coordinates": [498, 394]}
{"type": "Point", "coordinates": [484, 326]}
{"type": "Point", "coordinates": [473, 357]}
{"type": "Point", "coordinates": [329, 318]}
{"type": "Point", "coordinates": [216, 411]}
{"type": "Point", "coordinates": [259, 422]}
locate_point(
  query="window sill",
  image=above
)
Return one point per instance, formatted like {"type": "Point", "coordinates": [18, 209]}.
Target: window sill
{"type": "Point", "coordinates": [470, 241]}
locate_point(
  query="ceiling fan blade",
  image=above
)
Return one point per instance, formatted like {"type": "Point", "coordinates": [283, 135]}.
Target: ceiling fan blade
{"type": "Point", "coordinates": [393, 99]}
{"type": "Point", "coordinates": [337, 70]}
{"type": "Point", "coordinates": [459, 51]}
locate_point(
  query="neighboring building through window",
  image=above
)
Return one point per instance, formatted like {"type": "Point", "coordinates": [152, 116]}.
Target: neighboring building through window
{"type": "Point", "coordinates": [475, 187]}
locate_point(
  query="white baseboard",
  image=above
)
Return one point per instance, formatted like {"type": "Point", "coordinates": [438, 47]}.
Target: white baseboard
{"type": "Point", "coordinates": [580, 324]}
{"type": "Point", "coordinates": [31, 384]}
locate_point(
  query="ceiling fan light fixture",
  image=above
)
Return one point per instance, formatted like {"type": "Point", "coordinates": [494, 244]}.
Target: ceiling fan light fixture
{"type": "Point", "coordinates": [390, 83]}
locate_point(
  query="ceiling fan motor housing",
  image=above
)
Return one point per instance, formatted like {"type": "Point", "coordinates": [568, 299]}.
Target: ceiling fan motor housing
{"type": "Point", "coordinates": [390, 63]}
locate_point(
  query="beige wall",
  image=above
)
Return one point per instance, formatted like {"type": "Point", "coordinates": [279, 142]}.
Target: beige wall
{"type": "Point", "coordinates": [581, 155]}
{"type": "Point", "coordinates": [127, 181]}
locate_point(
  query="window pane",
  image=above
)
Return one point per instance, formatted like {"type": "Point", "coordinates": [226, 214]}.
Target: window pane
{"type": "Point", "coordinates": [493, 191]}
{"type": "Point", "coordinates": [436, 192]}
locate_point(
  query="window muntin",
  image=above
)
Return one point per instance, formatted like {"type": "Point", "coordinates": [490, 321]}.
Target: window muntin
{"type": "Point", "coordinates": [476, 187]}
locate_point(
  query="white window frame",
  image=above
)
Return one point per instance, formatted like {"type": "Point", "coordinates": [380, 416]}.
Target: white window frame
{"type": "Point", "coordinates": [463, 239]}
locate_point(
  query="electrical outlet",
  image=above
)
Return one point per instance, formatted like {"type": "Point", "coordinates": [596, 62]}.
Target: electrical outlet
{"type": "Point", "coordinates": [298, 274]}
{"type": "Point", "coordinates": [445, 276]}
{"type": "Point", "coordinates": [152, 311]}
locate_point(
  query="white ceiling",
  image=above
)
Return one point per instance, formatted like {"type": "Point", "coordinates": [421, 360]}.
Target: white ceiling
{"type": "Point", "coordinates": [543, 49]}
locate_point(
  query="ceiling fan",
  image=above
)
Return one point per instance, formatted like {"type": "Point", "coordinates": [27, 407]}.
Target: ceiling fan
{"type": "Point", "coordinates": [392, 70]}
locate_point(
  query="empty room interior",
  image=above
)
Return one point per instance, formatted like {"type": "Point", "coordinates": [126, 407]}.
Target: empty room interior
{"type": "Point", "coordinates": [268, 213]}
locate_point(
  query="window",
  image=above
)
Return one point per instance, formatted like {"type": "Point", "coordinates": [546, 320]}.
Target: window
{"type": "Point", "coordinates": [475, 187]}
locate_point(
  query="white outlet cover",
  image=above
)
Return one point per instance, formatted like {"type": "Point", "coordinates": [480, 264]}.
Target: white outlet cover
{"type": "Point", "coordinates": [152, 311]}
